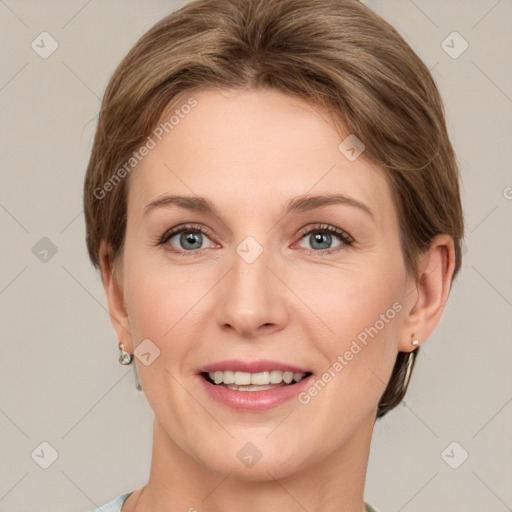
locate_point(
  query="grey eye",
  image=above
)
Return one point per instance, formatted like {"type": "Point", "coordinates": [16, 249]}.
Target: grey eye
{"type": "Point", "coordinates": [190, 240]}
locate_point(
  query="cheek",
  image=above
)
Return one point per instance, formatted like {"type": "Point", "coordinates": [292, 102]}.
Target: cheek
{"type": "Point", "coordinates": [347, 299]}
{"type": "Point", "coordinates": [163, 300]}
{"type": "Point", "coordinates": [356, 324]}
{"type": "Point", "coordinates": [160, 305]}
{"type": "Point", "coordinates": [153, 296]}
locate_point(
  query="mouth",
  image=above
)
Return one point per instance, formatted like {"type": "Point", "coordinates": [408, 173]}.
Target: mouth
{"type": "Point", "coordinates": [260, 381]}
{"type": "Point", "coordinates": [252, 386]}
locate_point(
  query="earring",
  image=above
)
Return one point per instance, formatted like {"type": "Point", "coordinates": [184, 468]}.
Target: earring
{"type": "Point", "coordinates": [138, 385]}
{"type": "Point", "coordinates": [124, 357]}
{"type": "Point", "coordinates": [410, 360]}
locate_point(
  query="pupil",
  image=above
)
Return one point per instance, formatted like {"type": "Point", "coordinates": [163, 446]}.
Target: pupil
{"type": "Point", "coordinates": [319, 237]}
{"type": "Point", "coordinates": [191, 238]}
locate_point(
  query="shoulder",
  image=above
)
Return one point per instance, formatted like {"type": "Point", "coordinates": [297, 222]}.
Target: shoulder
{"type": "Point", "coordinates": [114, 505]}
{"type": "Point", "coordinates": [369, 508]}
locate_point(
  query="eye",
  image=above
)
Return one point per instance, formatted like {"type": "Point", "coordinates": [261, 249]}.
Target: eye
{"type": "Point", "coordinates": [321, 238]}
{"type": "Point", "coordinates": [189, 239]}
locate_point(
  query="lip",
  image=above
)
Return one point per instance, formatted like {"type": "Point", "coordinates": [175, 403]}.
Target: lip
{"type": "Point", "coordinates": [262, 365]}
{"type": "Point", "coordinates": [252, 401]}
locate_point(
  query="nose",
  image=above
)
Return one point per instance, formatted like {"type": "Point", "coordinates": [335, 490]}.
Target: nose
{"type": "Point", "coordinates": [252, 298]}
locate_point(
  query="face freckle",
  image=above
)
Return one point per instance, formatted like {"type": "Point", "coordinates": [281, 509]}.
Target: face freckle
{"type": "Point", "coordinates": [254, 290]}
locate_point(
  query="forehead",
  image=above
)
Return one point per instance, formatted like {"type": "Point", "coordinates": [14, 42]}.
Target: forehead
{"type": "Point", "coordinates": [250, 149]}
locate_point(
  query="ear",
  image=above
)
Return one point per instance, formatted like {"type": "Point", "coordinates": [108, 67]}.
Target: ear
{"type": "Point", "coordinates": [427, 296]}
{"type": "Point", "coordinates": [112, 283]}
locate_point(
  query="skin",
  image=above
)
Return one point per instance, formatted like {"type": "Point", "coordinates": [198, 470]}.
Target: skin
{"type": "Point", "coordinates": [249, 152]}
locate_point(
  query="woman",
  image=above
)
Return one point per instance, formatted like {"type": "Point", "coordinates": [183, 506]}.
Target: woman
{"type": "Point", "coordinates": [273, 202]}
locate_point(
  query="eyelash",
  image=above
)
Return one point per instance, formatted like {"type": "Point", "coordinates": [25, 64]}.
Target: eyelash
{"type": "Point", "coordinates": [346, 239]}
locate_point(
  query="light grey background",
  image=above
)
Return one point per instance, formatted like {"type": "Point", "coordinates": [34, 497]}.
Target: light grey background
{"type": "Point", "coordinates": [60, 381]}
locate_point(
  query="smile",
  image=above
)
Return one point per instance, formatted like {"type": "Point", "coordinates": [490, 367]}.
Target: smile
{"type": "Point", "coordinates": [252, 386]}
{"type": "Point", "coordinates": [260, 381]}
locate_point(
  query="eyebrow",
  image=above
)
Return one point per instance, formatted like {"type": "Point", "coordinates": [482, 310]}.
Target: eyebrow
{"type": "Point", "coordinates": [294, 205]}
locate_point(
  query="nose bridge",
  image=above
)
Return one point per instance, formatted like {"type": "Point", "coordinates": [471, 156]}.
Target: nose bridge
{"type": "Point", "coordinates": [250, 275]}
{"type": "Point", "coordinates": [252, 295]}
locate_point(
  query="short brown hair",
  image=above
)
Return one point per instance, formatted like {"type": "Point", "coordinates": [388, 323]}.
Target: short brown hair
{"type": "Point", "coordinates": [335, 53]}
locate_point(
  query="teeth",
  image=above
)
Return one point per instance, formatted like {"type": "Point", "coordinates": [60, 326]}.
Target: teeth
{"type": "Point", "coordinates": [276, 377]}
{"type": "Point", "coordinates": [288, 377]}
{"type": "Point", "coordinates": [255, 379]}
{"type": "Point", "coordinates": [228, 378]}
{"type": "Point", "coordinates": [260, 379]}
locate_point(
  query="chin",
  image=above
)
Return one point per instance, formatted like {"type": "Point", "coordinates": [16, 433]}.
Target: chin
{"type": "Point", "coordinates": [258, 460]}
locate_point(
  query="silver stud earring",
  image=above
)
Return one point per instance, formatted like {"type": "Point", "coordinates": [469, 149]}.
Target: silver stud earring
{"type": "Point", "coordinates": [416, 343]}
{"type": "Point", "coordinates": [124, 357]}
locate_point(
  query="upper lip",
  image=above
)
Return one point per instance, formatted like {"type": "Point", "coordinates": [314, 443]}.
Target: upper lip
{"type": "Point", "coordinates": [251, 366]}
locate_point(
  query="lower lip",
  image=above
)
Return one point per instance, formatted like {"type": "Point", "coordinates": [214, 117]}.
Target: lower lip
{"type": "Point", "coordinates": [253, 400]}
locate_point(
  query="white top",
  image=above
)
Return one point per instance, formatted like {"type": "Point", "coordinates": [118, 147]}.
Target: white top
{"type": "Point", "coordinates": [115, 505]}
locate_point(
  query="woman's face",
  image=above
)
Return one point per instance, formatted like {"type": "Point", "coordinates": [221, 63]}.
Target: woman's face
{"type": "Point", "coordinates": [261, 279]}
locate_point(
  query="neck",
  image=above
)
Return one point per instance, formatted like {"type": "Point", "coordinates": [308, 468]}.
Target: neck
{"type": "Point", "coordinates": [178, 482]}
